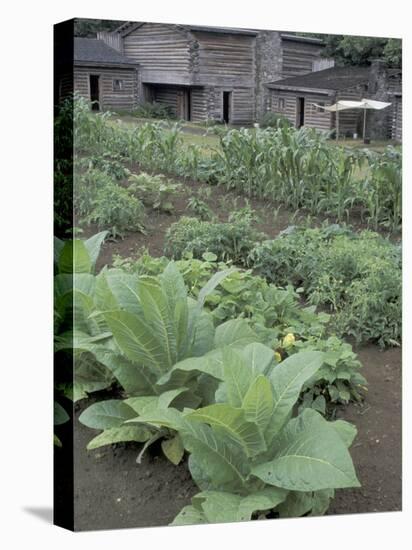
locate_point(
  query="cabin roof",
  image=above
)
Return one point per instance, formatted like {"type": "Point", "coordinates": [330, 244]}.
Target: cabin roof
{"type": "Point", "coordinates": [334, 78]}
{"type": "Point", "coordinates": [130, 26]}
{"type": "Point", "coordinates": [91, 50]}
{"type": "Point", "coordinates": [306, 39]}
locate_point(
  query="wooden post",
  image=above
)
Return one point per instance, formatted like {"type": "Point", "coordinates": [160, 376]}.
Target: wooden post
{"type": "Point", "coordinates": [364, 124]}
{"type": "Point", "coordinates": [337, 123]}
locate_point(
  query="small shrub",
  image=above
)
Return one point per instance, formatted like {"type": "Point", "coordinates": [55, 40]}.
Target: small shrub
{"type": "Point", "coordinates": [200, 208]}
{"type": "Point", "coordinates": [153, 110]}
{"type": "Point", "coordinates": [274, 120]}
{"type": "Point", "coordinates": [154, 191]}
{"type": "Point", "coordinates": [232, 240]}
{"type": "Point", "coordinates": [116, 208]}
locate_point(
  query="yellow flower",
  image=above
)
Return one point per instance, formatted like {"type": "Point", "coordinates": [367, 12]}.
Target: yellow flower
{"type": "Point", "coordinates": [278, 357]}
{"type": "Point", "coordinates": [288, 340]}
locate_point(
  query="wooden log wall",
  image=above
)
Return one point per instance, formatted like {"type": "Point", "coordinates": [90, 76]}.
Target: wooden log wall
{"type": "Point", "coordinates": [109, 99]}
{"type": "Point", "coordinates": [242, 104]}
{"type": "Point", "coordinates": [166, 95]}
{"type": "Point", "coordinates": [199, 104]}
{"type": "Point", "coordinates": [287, 107]}
{"type": "Point", "coordinates": [298, 57]}
{"type": "Point", "coordinates": [163, 52]}
{"type": "Point", "coordinates": [223, 59]}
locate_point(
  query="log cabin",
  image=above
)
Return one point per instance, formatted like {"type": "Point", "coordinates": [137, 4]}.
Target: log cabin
{"type": "Point", "coordinates": [299, 99]}
{"type": "Point", "coordinates": [202, 73]}
{"type": "Point", "coordinates": [104, 76]}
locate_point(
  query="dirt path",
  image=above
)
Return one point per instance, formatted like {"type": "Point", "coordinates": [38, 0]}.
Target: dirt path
{"type": "Point", "coordinates": [112, 491]}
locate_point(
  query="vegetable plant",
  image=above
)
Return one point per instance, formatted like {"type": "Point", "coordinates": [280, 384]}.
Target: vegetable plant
{"type": "Point", "coordinates": [247, 452]}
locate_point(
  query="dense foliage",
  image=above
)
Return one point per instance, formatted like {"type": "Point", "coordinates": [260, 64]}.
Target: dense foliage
{"type": "Point", "coordinates": [356, 276]}
{"type": "Point", "coordinates": [232, 240]}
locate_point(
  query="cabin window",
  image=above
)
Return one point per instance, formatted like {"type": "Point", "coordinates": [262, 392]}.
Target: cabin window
{"type": "Point", "coordinates": [281, 103]}
{"type": "Point", "coordinates": [318, 107]}
{"type": "Point", "coordinates": [118, 85]}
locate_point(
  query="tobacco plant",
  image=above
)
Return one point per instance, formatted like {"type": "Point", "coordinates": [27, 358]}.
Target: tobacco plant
{"type": "Point", "coordinates": [247, 452]}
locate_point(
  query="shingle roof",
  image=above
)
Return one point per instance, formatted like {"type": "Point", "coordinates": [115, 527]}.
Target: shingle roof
{"type": "Point", "coordinates": [92, 50]}
{"type": "Point", "coordinates": [335, 78]}
{"type": "Point", "coordinates": [297, 38]}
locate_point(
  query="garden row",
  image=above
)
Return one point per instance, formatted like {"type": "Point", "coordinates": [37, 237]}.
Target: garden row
{"type": "Point", "coordinates": [298, 169]}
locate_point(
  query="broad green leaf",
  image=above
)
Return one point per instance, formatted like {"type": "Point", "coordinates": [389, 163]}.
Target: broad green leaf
{"type": "Point", "coordinates": [189, 515]}
{"type": "Point", "coordinates": [287, 380]}
{"type": "Point", "coordinates": [258, 357]}
{"type": "Point", "coordinates": [234, 333]}
{"type": "Point", "coordinates": [173, 286]}
{"type": "Point", "coordinates": [74, 258]}
{"type": "Point", "coordinates": [56, 441]}
{"type": "Point", "coordinates": [231, 423]}
{"type": "Point", "coordinates": [210, 286]}
{"type": "Point", "coordinates": [215, 456]}
{"type": "Point", "coordinates": [203, 334]}
{"type": "Point", "coordinates": [120, 434]}
{"type": "Point", "coordinates": [135, 379]}
{"type": "Point", "coordinates": [173, 449]}
{"type": "Point", "coordinates": [116, 289]}
{"type": "Point", "coordinates": [297, 504]}
{"type": "Point", "coordinates": [210, 364]}
{"type": "Point", "coordinates": [136, 340]}
{"type": "Point", "coordinates": [237, 376]}
{"type": "Point", "coordinates": [60, 414]}
{"type": "Point", "coordinates": [106, 414]}
{"type": "Point", "coordinates": [310, 456]}
{"type": "Point", "coordinates": [346, 431]}
{"type": "Point", "coordinates": [258, 402]}
{"type": "Point", "coordinates": [219, 506]}
{"type": "Point", "coordinates": [93, 246]}
{"type": "Point", "coordinates": [158, 316]}
{"type": "Point", "coordinates": [159, 417]}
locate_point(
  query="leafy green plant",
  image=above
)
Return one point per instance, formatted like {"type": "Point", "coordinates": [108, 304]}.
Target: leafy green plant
{"type": "Point", "coordinates": [116, 208]}
{"type": "Point", "coordinates": [74, 284]}
{"type": "Point", "coordinates": [247, 454]}
{"type": "Point", "coordinates": [154, 191]}
{"type": "Point", "coordinates": [273, 120]}
{"type": "Point", "coordinates": [147, 325]}
{"type": "Point", "coordinates": [200, 209]}
{"type": "Point", "coordinates": [153, 110]}
{"type": "Point", "coordinates": [231, 240]}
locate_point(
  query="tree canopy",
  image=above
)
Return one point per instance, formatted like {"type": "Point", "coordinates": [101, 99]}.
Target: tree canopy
{"type": "Point", "coordinates": [361, 50]}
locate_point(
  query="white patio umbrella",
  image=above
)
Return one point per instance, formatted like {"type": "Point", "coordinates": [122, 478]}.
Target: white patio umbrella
{"type": "Point", "coordinates": [364, 104]}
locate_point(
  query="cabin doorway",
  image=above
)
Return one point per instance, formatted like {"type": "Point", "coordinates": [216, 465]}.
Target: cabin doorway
{"type": "Point", "coordinates": [184, 104]}
{"type": "Point", "coordinates": [300, 112]}
{"type": "Point", "coordinates": [94, 92]}
{"type": "Point", "coordinates": [227, 107]}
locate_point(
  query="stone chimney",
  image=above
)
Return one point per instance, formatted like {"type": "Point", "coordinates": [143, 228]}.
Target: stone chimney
{"type": "Point", "coordinates": [378, 121]}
